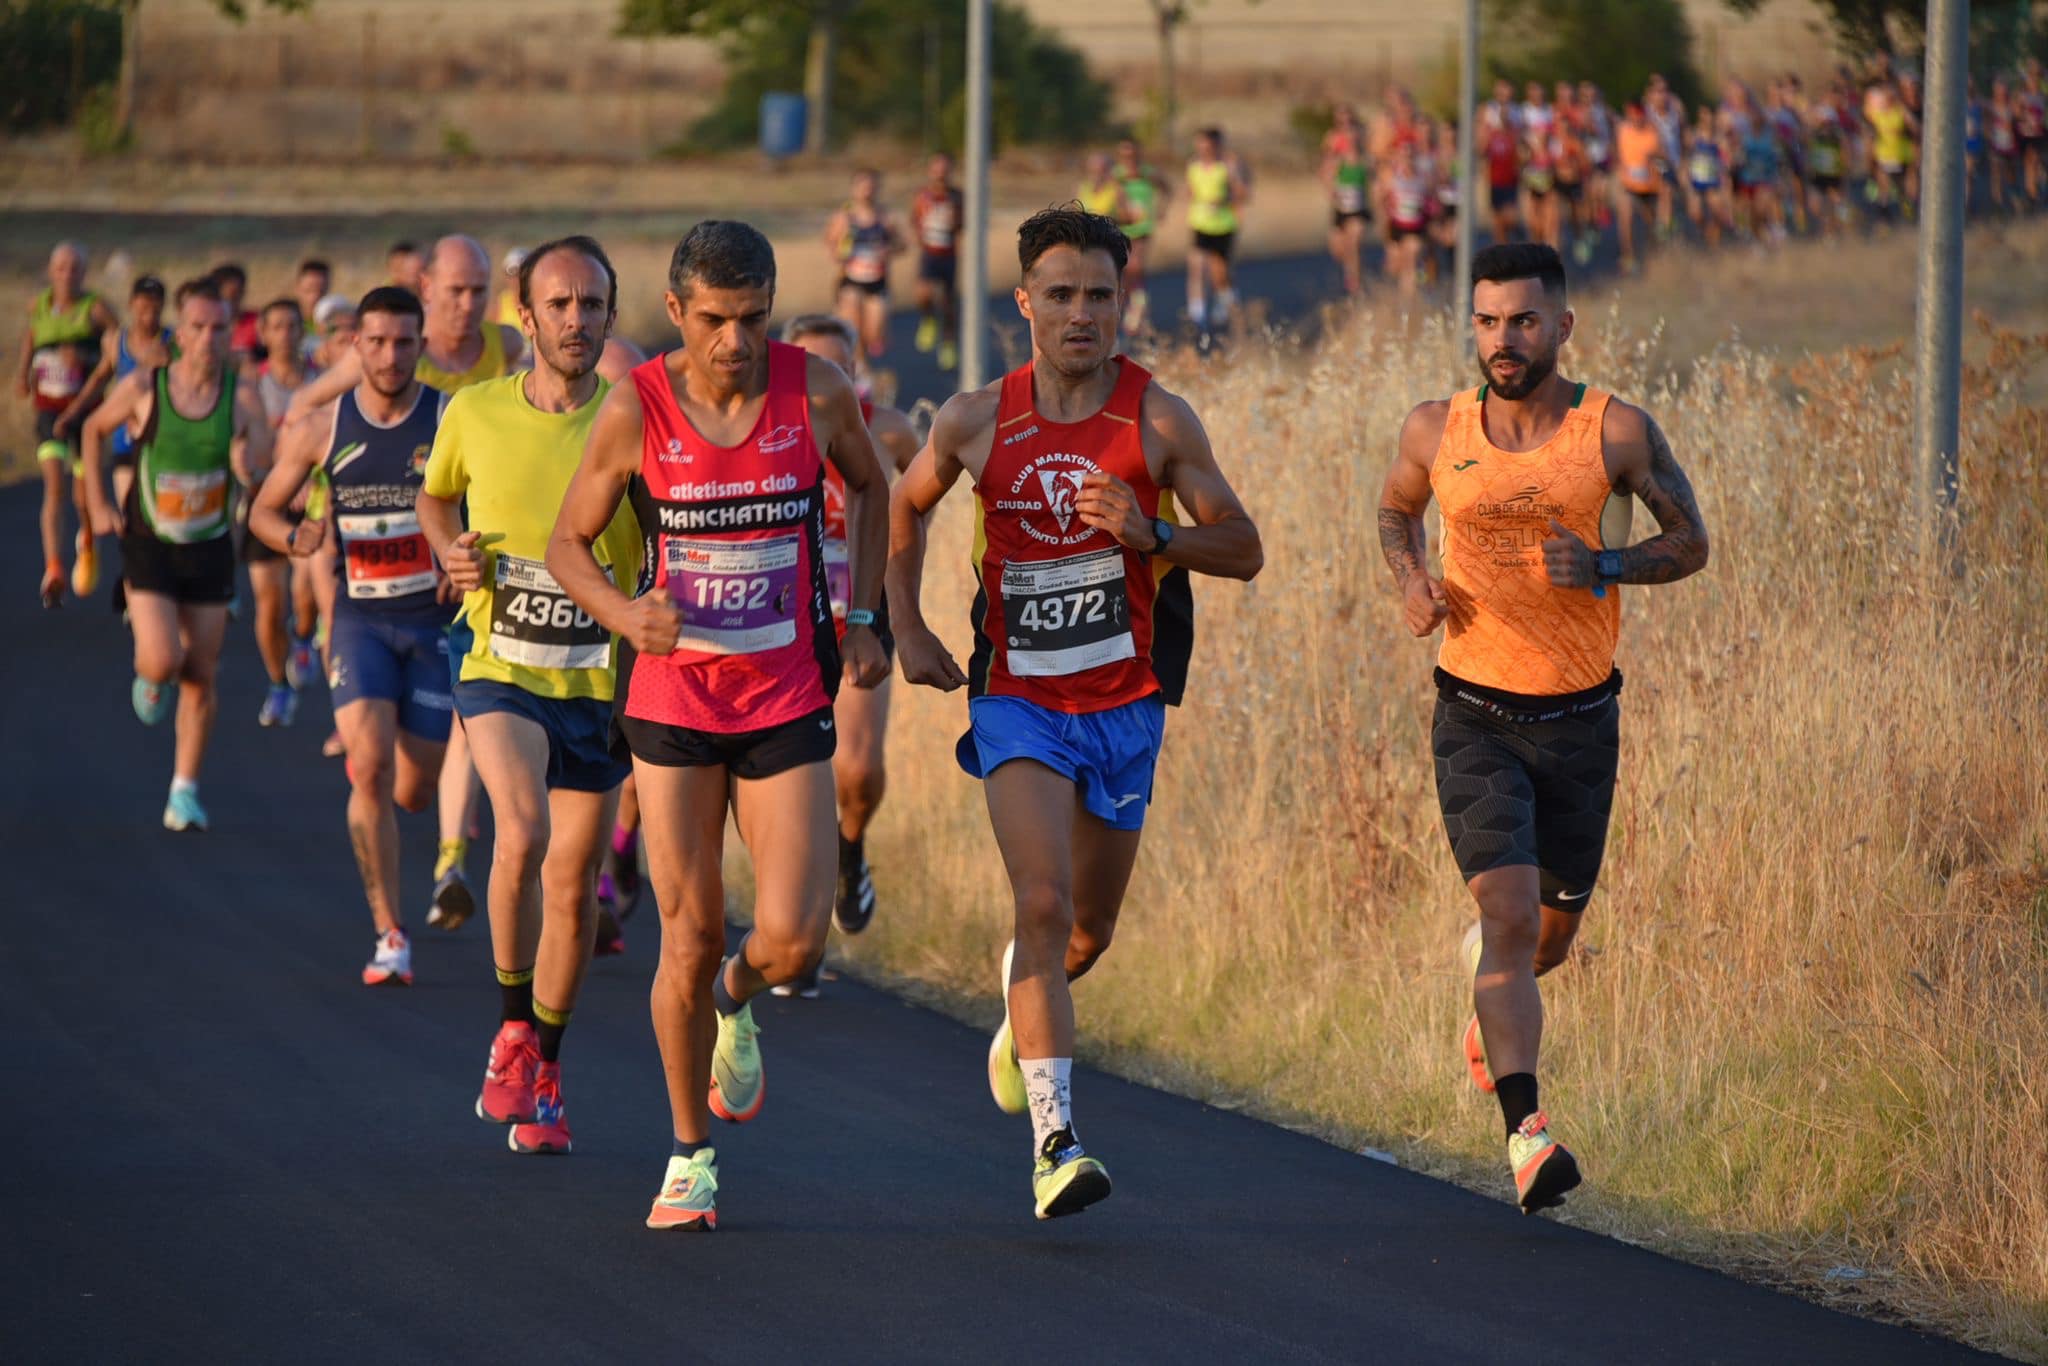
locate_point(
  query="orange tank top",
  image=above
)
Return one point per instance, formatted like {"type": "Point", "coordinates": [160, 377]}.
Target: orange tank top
{"type": "Point", "coordinates": [1509, 628]}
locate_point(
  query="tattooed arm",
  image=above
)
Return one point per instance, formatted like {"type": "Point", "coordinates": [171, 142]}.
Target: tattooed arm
{"type": "Point", "coordinates": [1640, 459]}
{"type": "Point", "coordinates": [1403, 499]}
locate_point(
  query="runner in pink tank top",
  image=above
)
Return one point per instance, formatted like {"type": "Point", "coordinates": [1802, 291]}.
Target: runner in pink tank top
{"type": "Point", "coordinates": [728, 664]}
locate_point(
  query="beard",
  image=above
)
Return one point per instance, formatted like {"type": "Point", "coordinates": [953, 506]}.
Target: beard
{"type": "Point", "coordinates": [390, 384]}
{"type": "Point", "coordinates": [1535, 369]}
{"type": "Point", "coordinates": [570, 365]}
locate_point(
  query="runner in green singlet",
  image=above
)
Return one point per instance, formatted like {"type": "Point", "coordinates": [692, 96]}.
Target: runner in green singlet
{"type": "Point", "coordinates": [1144, 198]}
{"type": "Point", "coordinates": [1347, 175]}
{"type": "Point", "coordinates": [59, 351]}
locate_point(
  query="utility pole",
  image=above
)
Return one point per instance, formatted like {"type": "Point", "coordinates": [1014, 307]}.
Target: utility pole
{"type": "Point", "coordinates": [1468, 209]}
{"type": "Point", "coordinates": [974, 248]}
{"type": "Point", "coordinates": [1938, 349]}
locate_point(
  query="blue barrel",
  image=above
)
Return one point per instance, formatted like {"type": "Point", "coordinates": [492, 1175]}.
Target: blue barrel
{"type": "Point", "coordinates": [782, 124]}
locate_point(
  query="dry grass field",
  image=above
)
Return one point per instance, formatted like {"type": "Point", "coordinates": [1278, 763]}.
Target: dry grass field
{"type": "Point", "coordinates": [1801, 1036]}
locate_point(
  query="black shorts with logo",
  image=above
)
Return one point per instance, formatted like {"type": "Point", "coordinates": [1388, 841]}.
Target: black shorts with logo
{"type": "Point", "coordinates": [751, 754]}
{"type": "Point", "coordinates": [1528, 781]}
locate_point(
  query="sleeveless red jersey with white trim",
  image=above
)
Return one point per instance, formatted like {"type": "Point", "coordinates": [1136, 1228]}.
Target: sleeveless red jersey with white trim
{"type": "Point", "coordinates": [1064, 616]}
{"type": "Point", "coordinates": [838, 564]}
{"type": "Point", "coordinates": [735, 535]}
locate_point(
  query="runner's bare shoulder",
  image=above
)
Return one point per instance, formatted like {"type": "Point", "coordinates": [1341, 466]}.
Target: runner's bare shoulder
{"type": "Point", "coordinates": [963, 431]}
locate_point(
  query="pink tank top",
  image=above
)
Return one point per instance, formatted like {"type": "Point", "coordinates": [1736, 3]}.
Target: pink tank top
{"type": "Point", "coordinates": [735, 535]}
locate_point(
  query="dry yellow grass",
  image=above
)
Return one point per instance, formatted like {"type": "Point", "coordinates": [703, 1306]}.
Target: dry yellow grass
{"type": "Point", "coordinates": [1804, 1028]}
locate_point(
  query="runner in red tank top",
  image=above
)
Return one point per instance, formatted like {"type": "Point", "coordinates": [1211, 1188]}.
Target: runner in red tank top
{"type": "Point", "coordinates": [728, 661]}
{"type": "Point", "coordinates": [861, 715]}
{"type": "Point", "coordinates": [1082, 629]}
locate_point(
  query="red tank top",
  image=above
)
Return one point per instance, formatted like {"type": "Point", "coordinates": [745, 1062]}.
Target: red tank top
{"type": "Point", "coordinates": [735, 536]}
{"type": "Point", "coordinates": [1063, 615]}
{"type": "Point", "coordinates": [838, 570]}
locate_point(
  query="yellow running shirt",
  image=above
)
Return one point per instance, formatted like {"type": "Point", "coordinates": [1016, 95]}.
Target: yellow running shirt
{"type": "Point", "coordinates": [513, 462]}
{"type": "Point", "coordinates": [489, 364]}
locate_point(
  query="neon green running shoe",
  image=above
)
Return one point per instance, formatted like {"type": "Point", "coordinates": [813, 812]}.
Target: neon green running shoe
{"type": "Point", "coordinates": [1005, 1077]}
{"type": "Point", "coordinates": [1065, 1180]}
{"type": "Point", "coordinates": [927, 333]}
{"type": "Point", "coordinates": [738, 1084]}
{"type": "Point", "coordinates": [688, 1194]}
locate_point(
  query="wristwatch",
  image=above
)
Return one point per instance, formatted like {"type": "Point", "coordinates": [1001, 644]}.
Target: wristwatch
{"type": "Point", "coordinates": [1162, 533]}
{"type": "Point", "coordinates": [1607, 566]}
{"type": "Point", "coordinates": [859, 616]}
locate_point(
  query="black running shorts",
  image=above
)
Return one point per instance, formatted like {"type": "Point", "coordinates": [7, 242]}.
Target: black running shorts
{"type": "Point", "coordinates": [751, 754]}
{"type": "Point", "coordinates": [200, 573]}
{"type": "Point", "coordinates": [1527, 789]}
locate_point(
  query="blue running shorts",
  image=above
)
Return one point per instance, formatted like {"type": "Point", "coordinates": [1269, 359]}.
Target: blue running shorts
{"type": "Point", "coordinates": [1109, 755]}
{"type": "Point", "coordinates": [579, 731]}
{"type": "Point", "coordinates": [402, 661]}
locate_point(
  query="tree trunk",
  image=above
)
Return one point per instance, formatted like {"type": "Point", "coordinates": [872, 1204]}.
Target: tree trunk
{"type": "Point", "coordinates": [131, 57]}
{"type": "Point", "coordinates": [1170, 14]}
{"type": "Point", "coordinates": [822, 57]}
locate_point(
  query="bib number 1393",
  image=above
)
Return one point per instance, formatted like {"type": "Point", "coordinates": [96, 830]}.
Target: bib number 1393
{"type": "Point", "coordinates": [533, 622]}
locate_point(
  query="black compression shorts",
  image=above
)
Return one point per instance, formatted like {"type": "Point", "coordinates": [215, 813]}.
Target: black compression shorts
{"type": "Point", "coordinates": [1519, 789]}
{"type": "Point", "coordinates": [751, 754]}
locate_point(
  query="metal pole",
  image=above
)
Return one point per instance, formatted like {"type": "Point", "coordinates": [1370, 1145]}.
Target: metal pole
{"type": "Point", "coordinates": [1943, 189]}
{"type": "Point", "coordinates": [1468, 207]}
{"type": "Point", "coordinates": [974, 247]}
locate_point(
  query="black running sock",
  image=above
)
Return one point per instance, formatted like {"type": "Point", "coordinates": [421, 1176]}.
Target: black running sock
{"type": "Point", "coordinates": [1517, 1093]}
{"type": "Point", "coordinates": [549, 1024]}
{"type": "Point", "coordinates": [687, 1149]}
{"type": "Point", "coordinates": [721, 997]}
{"type": "Point", "coordinates": [515, 996]}
{"type": "Point", "coordinates": [851, 854]}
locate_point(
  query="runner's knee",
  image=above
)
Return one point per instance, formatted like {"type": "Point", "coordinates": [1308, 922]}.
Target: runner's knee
{"type": "Point", "coordinates": [691, 950]}
{"type": "Point", "coordinates": [861, 781]}
{"type": "Point", "coordinates": [1508, 918]}
{"type": "Point", "coordinates": [1086, 943]}
{"type": "Point", "coordinates": [521, 844]}
{"type": "Point", "coordinates": [784, 958]}
{"type": "Point", "coordinates": [415, 793]}
{"type": "Point", "coordinates": [1045, 913]}
{"type": "Point", "coordinates": [370, 772]}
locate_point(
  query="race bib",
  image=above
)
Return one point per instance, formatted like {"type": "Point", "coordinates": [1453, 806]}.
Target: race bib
{"type": "Point", "coordinates": [736, 597]}
{"type": "Point", "coordinates": [387, 554]}
{"type": "Point", "coordinates": [189, 505]}
{"type": "Point", "coordinates": [58, 375]}
{"type": "Point", "coordinates": [1066, 616]}
{"type": "Point", "coordinates": [936, 230]}
{"type": "Point", "coordinates": [866, 266]}
{"type": "Point", "coordinates": [1705, 170]}
{"type": "Point", "coordinates": [534, 623]}
{"type": "Point", "coordinates": [1350, 198]}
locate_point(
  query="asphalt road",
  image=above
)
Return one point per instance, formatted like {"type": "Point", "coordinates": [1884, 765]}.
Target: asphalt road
{"type": "Point", "coordinates": [222, 1148]}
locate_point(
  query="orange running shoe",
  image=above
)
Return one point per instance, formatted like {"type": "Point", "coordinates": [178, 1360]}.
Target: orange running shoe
{"type": "Point", "coordinates": [548, 1131]}
{"type": "Point", "coordinates": [1544, 1169]}
{"type": "Point", "coordinates": [687, 1194]}
{"type": "Point", "coordinates": [1473, 1044]}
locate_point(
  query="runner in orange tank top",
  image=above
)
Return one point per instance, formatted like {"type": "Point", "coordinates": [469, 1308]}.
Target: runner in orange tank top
{"type": "Point", "coordinates": [1535, 475]}
{"type": "Point", "coordinates": [728, 659]}
{"type": "Point", "coordinates": [1082, 630]}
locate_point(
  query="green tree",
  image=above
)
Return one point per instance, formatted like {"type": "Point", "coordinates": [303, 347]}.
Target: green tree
{"type": "Point", "coordinates": [864, 73]}
{"type": "Point", "coordinates": [2001, 31]}
{"type": "Point", "coordinates": [51, 53]}
{"type": "Point", "coordinates": [1616, 44]}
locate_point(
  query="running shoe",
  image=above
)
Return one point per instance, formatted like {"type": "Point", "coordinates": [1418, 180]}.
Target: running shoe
{"type": "Point", "coordinates": [949, 355]}
{"type": "Point", "coordinates": [301, 665]}
{"type": "Point", "coordinates": [623, 866]}
{"type": "Point", "coordinates": [333, 747]}
{"type": "Point", "coordinates": [1544, 1170]}
{"type": "Point", "coordinates": [392, 961]}
{"type": "Point", "coordinates": [804, 987]}
{"type": "Point", "coordinates": [235, 606]}
{"type": "Point", "coordinates": [1473, 1045]}
{"type": "Point", "coordinates": [280, 706]}
{"type": "Point", "coordinates": [855, 906]}
{"type": "Point", "coordinates": [738, 1084]}
{"type": "Point", "coordinates": [1005, 1077]}
{"type": "Point", "coordinates": [611, 940]}
{"type": "Point", "coordinates": [1065, 1180]}
{"type": "Point", "coordinates": [548, 1130]}
{"type": "Point", "coordinates": [453, 902]}
{"type": "Point", "coordinates": [53, 584]}
{"type": "Point", "coordinates": [85, 571]}
{"type": "Point", "coordinates": [686, 1195]}
{"type": "Point", "coordinates": [183, 811]}
{"type": "Point", "coordinates": [927, 333]}
{"type": "Point", "coordinates": [509, 1081]}
{"type": "Point", "coordinates": [152, 701]}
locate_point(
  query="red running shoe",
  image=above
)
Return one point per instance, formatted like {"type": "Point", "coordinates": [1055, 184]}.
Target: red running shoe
{"type": "Point", "coordinates": [548, 1132]}
{"type": "Point", "coordinates": [508, 1094]}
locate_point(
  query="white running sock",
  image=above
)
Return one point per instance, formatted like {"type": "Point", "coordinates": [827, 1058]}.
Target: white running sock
{"type": "Point", "coordinates": [184, 785]}
{"type": "Point", "coordinates": [1048, 1088]}
{"type": "Point", "coordinates": [1197, 309]}
{"type": "Point", "coordinates": [1226, 300]}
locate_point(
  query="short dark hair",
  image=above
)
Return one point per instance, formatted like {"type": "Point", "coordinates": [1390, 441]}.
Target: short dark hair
{"type": "Point", "coordinates": [147, 287]}
{"type": "Point", "coordinates": [576, 242]}
{"type": "Point", "coordinates": [229, 270]}
{"type": "Point", "coordinates": [1507, 261]}
{"type": "Point", "coordinates": [820, 325]}
{"type": "Point", "coordinates": [1070, 225]}
{"type": "Point", "coordinates": [722, 253]}
{"type": "Point", "coordinates": [403, 244]}
{"type": "Point", "coordinates": [1212, 132]}
{"type": "Point", "coordinates": [205, 287]}
{"type": "Point", "coordinates": [315, 263]}
{"type": "Point", "coordinates": [396, 300]}
{"type": "Point", "coordinates": [291, 305]}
